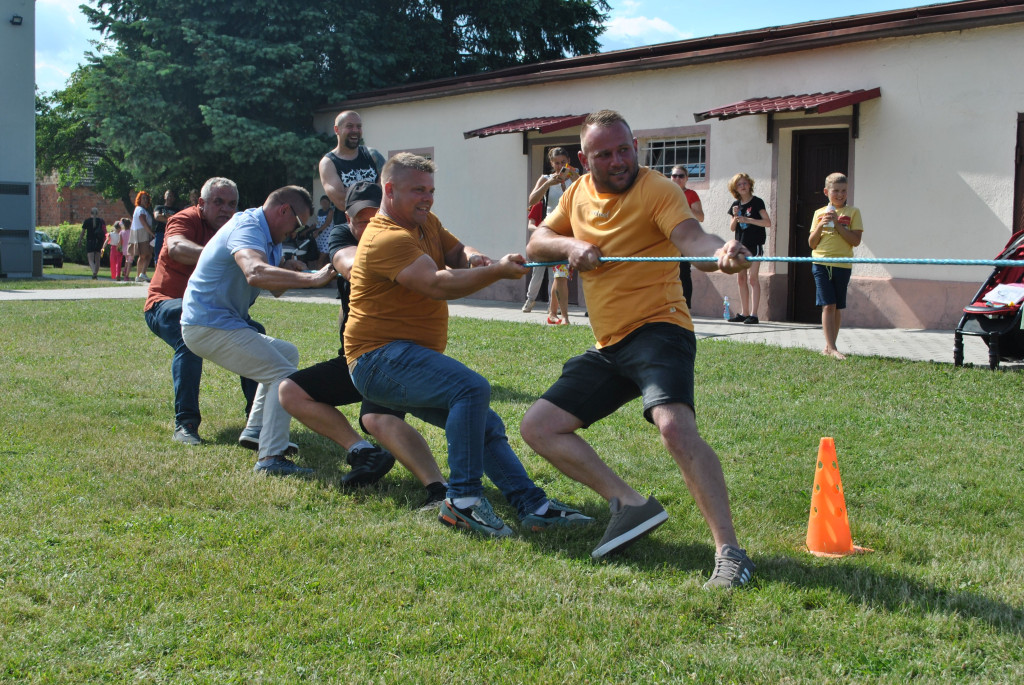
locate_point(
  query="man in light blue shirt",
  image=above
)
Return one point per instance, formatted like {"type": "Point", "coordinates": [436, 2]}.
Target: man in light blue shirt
{"type": "Point", "coordinates": [239, 261]}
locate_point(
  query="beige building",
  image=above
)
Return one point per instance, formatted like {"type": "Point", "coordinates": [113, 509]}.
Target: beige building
{"type": "Point", "coordinates": [922, 107]}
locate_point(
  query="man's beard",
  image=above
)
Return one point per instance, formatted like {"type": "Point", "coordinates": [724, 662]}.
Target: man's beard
{"type": "Point", "coordinates": [347, 142]}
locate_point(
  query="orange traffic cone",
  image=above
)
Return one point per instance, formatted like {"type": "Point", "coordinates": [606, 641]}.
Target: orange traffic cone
{"type": "Point", "coordinates": [828, 530]}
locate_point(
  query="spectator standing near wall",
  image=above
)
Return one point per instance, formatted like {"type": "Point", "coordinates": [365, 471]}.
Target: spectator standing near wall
{"type": "Point", "coordinates": [680, 175]}
{"type": "Point", "coordinates": [749, 222]}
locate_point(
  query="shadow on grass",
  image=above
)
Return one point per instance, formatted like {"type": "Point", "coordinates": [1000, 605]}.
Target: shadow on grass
{"type": "Point", "coordinates": [882, 590]}
{"type": "Point", "coordinates": [501, 393]}
{"type": "Point", "coordinates": [891, 591]}
{"type": "Point", "coordinates": [885, 590]}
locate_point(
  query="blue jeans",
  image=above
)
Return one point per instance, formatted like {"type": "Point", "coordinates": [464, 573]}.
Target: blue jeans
{"type": "Point", "coordinates": [164, 319]}
{"type": "Point", "coordinates": [446, 393]}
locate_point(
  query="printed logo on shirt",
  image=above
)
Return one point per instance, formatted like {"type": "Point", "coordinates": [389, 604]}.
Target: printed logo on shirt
{"type": "Point", "coordinates": [356, 175]}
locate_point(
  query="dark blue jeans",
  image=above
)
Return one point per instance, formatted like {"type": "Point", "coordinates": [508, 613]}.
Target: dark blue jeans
{"type": "Point", "coordinates": [164, 319]}
{"type": "Point", "coordinates": [446, 393]}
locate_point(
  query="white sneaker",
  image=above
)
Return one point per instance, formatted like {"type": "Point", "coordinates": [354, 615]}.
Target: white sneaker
{"type": "Point", "coordinates": [141, 279]}
{"type": "Point", "coordinates": [528, 307]}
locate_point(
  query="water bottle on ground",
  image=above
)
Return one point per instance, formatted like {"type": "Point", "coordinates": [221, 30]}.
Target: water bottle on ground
{"type": "Point", "coordinates": [726, 314]}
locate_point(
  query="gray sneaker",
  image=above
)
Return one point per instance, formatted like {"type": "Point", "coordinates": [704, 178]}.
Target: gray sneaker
{"type": "Point", "coordinates": [186, 434]}
{"type": "Point", "coordinates": [280, 466]}
{"type": "Point", "coordinates": [528, 306]}
{"type": "Point", "coordinates": [479, 518]}
{"type": "Point", "coordinates": [629, 524]}
{"type": "Point", "coordinates": [732, 568]}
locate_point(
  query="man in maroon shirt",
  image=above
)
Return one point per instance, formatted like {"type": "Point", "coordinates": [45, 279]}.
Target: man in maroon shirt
{"type": "Point", "coordinates": [186, 234]}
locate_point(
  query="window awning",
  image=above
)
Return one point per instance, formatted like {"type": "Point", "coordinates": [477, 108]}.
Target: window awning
{"type": "Point", "coordinates": [542, 124]}
{"type": "Point", "coordinates": [815, 103]}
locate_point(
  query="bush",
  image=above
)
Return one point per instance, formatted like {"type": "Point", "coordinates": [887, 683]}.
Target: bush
{"type": "Point", "coordinates": [66, 235]}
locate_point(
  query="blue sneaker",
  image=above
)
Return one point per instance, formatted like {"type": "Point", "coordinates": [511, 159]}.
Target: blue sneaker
{"type": "Point", "coordinates": [558, 514]}
{"type": "Point", "coordinates": [280, 466]}
{"type": "Point", "coordinates": [479, 518]}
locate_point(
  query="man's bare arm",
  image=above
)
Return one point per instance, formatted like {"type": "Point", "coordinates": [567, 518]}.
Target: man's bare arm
{"type": "Point", "coordinates": [183, 250]}
{"type": "Point", "coordinates": [465, 257]}
{"type": "Point", "coordinates": [423, 277]}
{"type": "Point", "coordinates": [331, 181]}
{"type": "Point", "coordinates": [547, 246]}
{"type": "Point", "coordinates": [343, 260]}
{"type": "Point", "coordinates": [693, 241]}
{"type": "Point", "coordinates": [259, 274]}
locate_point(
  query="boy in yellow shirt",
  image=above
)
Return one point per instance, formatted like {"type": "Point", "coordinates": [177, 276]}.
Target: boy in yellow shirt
{"type": "Point", "coordinates": [835, 230]}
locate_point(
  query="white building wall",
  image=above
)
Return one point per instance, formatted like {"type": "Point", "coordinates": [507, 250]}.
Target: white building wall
{"type": "Point", "coordinates": [932, 170]}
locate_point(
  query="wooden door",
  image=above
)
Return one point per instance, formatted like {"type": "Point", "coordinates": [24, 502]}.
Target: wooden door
{"type": "Point", "coordinates": [816, 154]}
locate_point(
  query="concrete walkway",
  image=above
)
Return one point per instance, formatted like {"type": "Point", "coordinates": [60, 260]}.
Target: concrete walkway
{"type": "Point", "coordinates": [916, 345]}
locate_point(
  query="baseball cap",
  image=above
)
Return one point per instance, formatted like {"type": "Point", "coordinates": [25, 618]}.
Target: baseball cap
{"type": "Point", "coordinates": [362, 195]}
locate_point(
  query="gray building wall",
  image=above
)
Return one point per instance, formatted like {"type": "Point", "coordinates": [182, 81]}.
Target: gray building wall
{"type": "Point", "coordinates": [17, 137]}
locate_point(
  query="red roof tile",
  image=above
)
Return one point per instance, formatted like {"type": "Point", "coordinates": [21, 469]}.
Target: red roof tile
{"type": "Point", "coordinates": [542, 124]}
{"type": "Point", "coordinates": [815, 103]}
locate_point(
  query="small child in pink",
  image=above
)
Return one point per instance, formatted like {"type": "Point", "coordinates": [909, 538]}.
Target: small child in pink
{"type": "Point", "coordinates": [113, 241]}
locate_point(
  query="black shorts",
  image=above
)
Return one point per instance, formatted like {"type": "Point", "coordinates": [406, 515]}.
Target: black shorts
{"type": "Point", "coordinates": [654, 362]}
{"type": "Point", "coordinates": [755, 250]}
{"type": "Point", "coordinates": [93, 244]}
{"type": "Point", "coordinates": [330, 383]}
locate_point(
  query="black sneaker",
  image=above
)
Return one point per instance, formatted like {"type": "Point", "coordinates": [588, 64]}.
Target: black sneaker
{"type": "Point", "coordinates": [369, 465]}
{"type": "Point", "coordinates": [558, 514]}
{"type": "Point", "coordinates": [436, 492]}
{"type": "Point", "coordinates": [751, 319]}
{"type": "Point", "coordinates": [739, 318]}
{"type": "Point", "coordinates": [186, 434]}
{"type": "Point", "coordinates": [629, 524]}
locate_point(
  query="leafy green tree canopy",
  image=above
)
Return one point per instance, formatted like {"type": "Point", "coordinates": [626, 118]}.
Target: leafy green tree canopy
{"type": "Point", "coordinates": [188, 89]}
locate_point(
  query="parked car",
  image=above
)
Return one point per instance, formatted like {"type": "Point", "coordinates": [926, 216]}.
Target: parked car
{"type": "Point", "coordinates": [52, 254]}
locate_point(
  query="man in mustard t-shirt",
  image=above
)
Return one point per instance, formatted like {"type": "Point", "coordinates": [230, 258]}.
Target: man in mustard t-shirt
{"type": "Point", "coordinates": [645, 343]}
{"type": "Point", "coordinates": [406, 267]}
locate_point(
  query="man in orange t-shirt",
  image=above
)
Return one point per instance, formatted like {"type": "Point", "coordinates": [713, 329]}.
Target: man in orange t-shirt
{"type": "Point", "coordinates": [407, 266]}
{"type": "Point", "coordinates": [645, 343]}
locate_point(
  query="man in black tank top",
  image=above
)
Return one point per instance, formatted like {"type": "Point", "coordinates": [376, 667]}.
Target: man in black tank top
{"type": "Point", "coordinates": [349, 162]}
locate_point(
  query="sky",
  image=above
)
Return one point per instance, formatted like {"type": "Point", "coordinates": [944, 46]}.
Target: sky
{"type": "Point", "coordinates": [63, 36]}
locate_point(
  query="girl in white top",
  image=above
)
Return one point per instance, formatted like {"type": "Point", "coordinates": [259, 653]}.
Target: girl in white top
{"type": "Point", "coordinates": [142, 235]}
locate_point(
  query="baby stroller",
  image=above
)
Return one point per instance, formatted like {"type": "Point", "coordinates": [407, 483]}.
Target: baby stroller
{"type": "Point", "coordinates": [996, 322]}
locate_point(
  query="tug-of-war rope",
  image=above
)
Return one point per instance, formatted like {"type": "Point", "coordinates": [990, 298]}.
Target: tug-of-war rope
{"type": "Point", "coordinates": [830, 260]}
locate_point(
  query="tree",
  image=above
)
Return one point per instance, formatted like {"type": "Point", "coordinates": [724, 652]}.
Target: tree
{"type": "Point", "coordinates": [66, 143]}
{"type": "Point", "coordinates": [469, 36]}
{"type": "Point", "coordinates": [191, 89]}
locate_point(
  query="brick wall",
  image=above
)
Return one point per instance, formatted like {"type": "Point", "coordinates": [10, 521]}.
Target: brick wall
{"type": "Point", "coordinates": [56, 205]}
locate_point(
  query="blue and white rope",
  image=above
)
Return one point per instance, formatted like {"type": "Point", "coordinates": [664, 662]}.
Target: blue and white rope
{"type": "Point", "coordinates": [830, 260]}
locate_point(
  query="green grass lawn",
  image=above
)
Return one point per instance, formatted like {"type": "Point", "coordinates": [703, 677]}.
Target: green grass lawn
{"type": "Point", "coordinates": [125, 557]}
{"type": "Point", "coordinates": [71, 275]}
